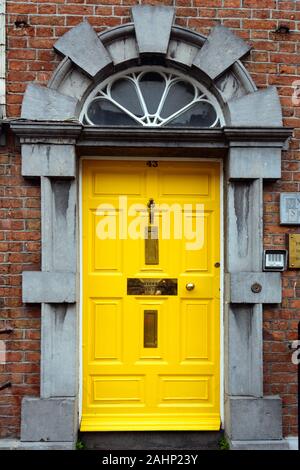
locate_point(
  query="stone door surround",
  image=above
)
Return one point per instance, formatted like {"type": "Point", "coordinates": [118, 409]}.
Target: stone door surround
{"type": "Point", "coordinates": [52, 141]}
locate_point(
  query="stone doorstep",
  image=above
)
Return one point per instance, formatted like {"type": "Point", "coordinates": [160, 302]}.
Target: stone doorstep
{"type": "Point", "coordinates": [280, 444]}
{"type": "Point", "coordinates": [16, 444]}
{"type": "Point", "coordinates": [151, 440]}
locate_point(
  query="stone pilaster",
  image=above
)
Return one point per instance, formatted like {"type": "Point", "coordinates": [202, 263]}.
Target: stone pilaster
{"type": "Point", "coordinates": [52, 159]}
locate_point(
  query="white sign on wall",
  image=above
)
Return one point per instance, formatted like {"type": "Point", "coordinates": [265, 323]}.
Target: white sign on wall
{"type": "Point", "coordinates": [290, 208]}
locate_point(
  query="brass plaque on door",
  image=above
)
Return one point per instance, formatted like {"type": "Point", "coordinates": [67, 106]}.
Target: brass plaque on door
{"type": "Point", "coordinates": [150, 328]}
{"type": "Point", "coordinates": [294, 250]}
{"type": "Point", "coordinates": [150, 286]}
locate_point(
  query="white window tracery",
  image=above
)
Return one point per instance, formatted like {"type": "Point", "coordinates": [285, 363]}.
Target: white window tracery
{"type": "Point", "coordinates": [152, 97]}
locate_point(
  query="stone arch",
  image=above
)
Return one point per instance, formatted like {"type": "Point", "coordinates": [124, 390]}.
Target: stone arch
{"type": "Point", "coordinates": [152, 38]}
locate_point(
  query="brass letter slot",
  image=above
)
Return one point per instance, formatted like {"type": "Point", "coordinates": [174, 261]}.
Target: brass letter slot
{"type": "Point", "coordinates": [150, 328]}
{"type": "Point", "coordinates": [150, 286]}
{"type": "Point", "coordinates": [151, 237]}
{"type": "Point", "coordinates": [151, 245]}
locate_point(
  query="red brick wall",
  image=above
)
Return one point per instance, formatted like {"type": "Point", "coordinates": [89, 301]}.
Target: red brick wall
{"type": "Point", "coordinates": [19, 250]}
{"type": "Point", "coordinates": [32, 28]}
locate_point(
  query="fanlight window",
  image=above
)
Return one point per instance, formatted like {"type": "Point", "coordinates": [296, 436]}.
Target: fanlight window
{"type": "Point", "coordinates": [151, 97]}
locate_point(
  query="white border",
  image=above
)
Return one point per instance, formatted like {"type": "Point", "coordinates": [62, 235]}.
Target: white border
{"type": "Point", "coordinates": [222, 355]}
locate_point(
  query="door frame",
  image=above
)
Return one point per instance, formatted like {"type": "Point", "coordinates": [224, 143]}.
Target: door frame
{"type": "Point", "coordinates": [251, 146]}
{"type": "Point", "coordinates": [222, 260]}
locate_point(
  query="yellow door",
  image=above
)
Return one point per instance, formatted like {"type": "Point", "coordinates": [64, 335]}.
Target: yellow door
{"type": "Point", "coordinates": [151, 295]}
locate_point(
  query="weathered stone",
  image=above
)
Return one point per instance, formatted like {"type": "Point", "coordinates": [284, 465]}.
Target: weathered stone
{"type": "Point", "coordinates": [253, 418]}
{"type": "Point", "coordinates": [48, 160]}
{"type": "Point", "coordinates": [244, 360]}
{"type": "Point", "coordinates": [43, 104]}
{"type": "Point", "coordinates": [15, 444]}
{"type": "Point", "coordinates": [254, 162]}
{"type": "Point", "coordinates": [75, 84]}
{"type": "Point", "coordinates": [152, 27]}
{"type": "Point", "coordinates": [229, 86]}
{"type": "Point", "coordinates": [59, 201]}
{"type": "Point", "coordinates": [276, 444]}
{"type": "Point", "coordinates": [47, 132]}
{"type": "Point", "coordinates": [59, 351]}
{"type": "Point", "coordinates": [49, 287]}
{"type": "Point", "coordinates": [221, 49]}
{"type": "Point", "coordinates": [82, 45]}
{"type": "Point", "coordinates": [124, 50]}
{"type": "Point", "coordinates": [243, 286]}
{"type": "Point", "coordinates": [258, 109]}
{"type": "Point", "coordinates": [244, 226]}
{"type": "Point", "coordinates": [59, 322]}
{"type": "Point", "coordinates": [182, 52]}
{"type": "Point", "coordinates": [48, 420]}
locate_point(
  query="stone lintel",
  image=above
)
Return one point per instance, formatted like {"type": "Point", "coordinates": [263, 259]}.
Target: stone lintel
{"type": "Point", "coordinates": [61, 132]}
{"type": "Point", "coordinates": [245, 136]}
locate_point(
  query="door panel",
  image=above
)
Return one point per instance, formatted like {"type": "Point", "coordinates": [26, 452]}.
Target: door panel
{"type": "Point", "coordinates": [150, 358]}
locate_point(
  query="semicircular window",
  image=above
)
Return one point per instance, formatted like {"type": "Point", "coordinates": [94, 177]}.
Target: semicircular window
{"type": "Point", "coordinates": [151, 97]}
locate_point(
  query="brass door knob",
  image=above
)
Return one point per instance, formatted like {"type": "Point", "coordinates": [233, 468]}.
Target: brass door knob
{"type": "Point", "coordinates": [190, 286]}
